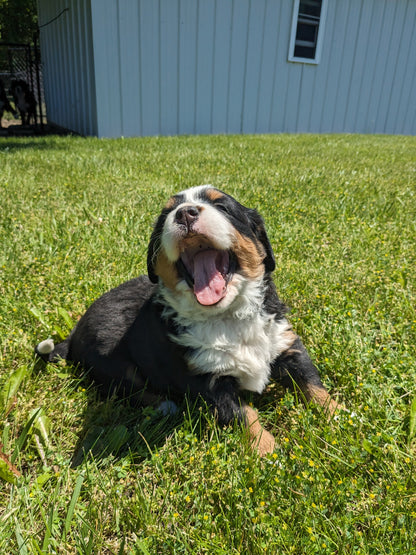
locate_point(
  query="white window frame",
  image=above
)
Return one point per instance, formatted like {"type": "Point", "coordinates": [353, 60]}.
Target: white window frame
{"type": "Point", "coordinates": [319, 42]}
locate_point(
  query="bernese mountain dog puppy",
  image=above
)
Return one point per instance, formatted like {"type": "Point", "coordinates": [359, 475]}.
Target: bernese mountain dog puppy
{"type": "Point", "coordinates": [24, 100]}
{"type": "Point", "coordinates": [206, 321]}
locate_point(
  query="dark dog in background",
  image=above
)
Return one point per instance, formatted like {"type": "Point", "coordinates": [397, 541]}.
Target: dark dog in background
{"type": "Point", "coordinates": [5, 105]}
{"type": "Point", "coordinates": [24, 100]}
{"type": "Point", "coordinates": [206, 320]}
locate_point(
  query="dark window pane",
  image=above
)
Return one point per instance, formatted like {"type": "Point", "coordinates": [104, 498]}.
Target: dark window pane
{"type": "Point", "coordinates": [310, 7]}
{"type": "Point", "coordinates": [307, 33]}
{"type": "Point", "coordinates": [305, 52]}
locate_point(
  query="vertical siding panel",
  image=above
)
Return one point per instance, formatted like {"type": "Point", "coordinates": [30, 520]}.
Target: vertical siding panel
{"type": "Point", "coordinates": [407, 100]}
{"type": "Point", "coordinates": [281, 75]}
{"type": "Point", "coordinates": [405, 65]}
{"type": "Point", "coordinates": [268, 66]}
{"type": "Point", "coordinates": [389, 75]}
{"type": "Point", "coordinates": [65, 69]}
{"type": "Point", "coordinates": [204, 66]}
{"type": "Point", "coordinates": [306, 91]}
{"type": "Point", "coordinates": [75, 74]}
{"type": "Point", "coordinates": [105, 29]}
{"type": "Point", "coordinates": [61, 38]}
{"type": "Point", "coordinates": [150, 67]}
{"type": "Point", "coordinates": [238, 57]}
{"type": "Point", "coordinates": [55, 52]}
{"type": "Point", "coordinates": [407, 111]}
{"type": "Point", "coordinates": [129, 76]}
{"type": "Point", "coordinates": [255, 43]}
{"type": "Point", "coordinates": [362, 122]}
{"type": "Point", "coordinates": [410, 123]}
{"type": "Point", "coordinates": [83, 91]}
{"type": "Point", "coordinates": [380, 68]}
{"type": "Point", "coordinates": [337, 47]}
{"type": "Point", "coordinates": [361, 59]}
{"type": "Point", "coordinates": [91, 115]}
{"type": "Point", "coordinates": [341, 102]}
{"type": "Point", "coordinates": [169, 44]}
{"type": "Point", "coordinates": [221, 70]}
{"type": "Point", "coordinates": [323, 102]}
{"type": "Point", "coordinates": [291, 106]}
{"type": "Point", "coordinates": [187, 61]}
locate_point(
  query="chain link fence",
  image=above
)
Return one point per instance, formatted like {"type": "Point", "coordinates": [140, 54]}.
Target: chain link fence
{"type": "Point", "coordinates": [22, 62]}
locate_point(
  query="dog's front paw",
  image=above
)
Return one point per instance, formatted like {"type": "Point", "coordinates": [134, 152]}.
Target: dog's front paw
{"type": "Point", "coordinates": [260, 439]}
{"type": "Point", "coordinates": [264, 442]}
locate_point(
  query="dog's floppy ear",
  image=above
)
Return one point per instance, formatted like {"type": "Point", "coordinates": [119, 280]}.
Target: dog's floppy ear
{"type": "Point", "coordinates": [154, 246]}
{"type": "Point", "coordinates": [259, 230]}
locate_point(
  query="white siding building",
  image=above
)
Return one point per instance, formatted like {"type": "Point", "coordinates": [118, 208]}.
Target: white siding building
{"type": "Point", "coordinates": [165, 67]}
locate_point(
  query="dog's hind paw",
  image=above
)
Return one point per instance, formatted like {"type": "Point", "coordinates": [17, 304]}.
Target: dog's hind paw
{"type": "Point", "coordinates": [45, 347]}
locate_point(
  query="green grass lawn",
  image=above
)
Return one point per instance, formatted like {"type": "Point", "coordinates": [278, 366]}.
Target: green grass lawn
{"type": "Point", "coordinates": [75, 219]}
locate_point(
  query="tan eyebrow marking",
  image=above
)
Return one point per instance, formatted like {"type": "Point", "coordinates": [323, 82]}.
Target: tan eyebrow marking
{"type": "Point", "coordinates": [213, 194]}
{"type": "Point", "coordinates": [170, 204]}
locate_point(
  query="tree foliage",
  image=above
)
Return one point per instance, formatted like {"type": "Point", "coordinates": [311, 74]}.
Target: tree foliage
{"type": "Point", "coordinates": [18, 20]}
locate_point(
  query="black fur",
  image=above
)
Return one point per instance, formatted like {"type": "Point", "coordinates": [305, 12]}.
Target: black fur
{"type": "Point", "coordinates": [131, 350]}
{"type": "Point", "coordinates": [24, 100]}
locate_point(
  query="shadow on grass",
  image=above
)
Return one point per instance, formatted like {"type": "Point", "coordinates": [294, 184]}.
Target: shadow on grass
{"type": "Point", "coordinates": [39, 139]}
{"type": "Point", "coordinates": [115, 428]}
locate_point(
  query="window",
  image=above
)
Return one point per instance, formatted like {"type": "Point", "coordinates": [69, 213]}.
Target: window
{"type": "Point", "coordinates": [307, 31]}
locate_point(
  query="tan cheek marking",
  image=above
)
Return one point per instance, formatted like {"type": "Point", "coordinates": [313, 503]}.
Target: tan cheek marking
{"type": "Point", "coordinates": [260, 438]}
{"type": "Point", "coordinates": [166, 270]}
{"type": "Point", "coordinates": [290, 336]}
{"type": "Point", "coordinates": [321, 396]}
{"type": "Point", "coordinates": [248, 256]}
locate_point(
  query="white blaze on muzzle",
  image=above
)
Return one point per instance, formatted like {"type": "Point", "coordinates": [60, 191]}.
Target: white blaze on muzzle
{"type": "Point", "coordinates": [202, 243]}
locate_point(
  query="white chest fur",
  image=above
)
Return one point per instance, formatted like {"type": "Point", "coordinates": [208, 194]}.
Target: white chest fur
{"type": "Point", "coordinates": [240, 348]}
{"type": "Point", "coordinates": [241, 340]}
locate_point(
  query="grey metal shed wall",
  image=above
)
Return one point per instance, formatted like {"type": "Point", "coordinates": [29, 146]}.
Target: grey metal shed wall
{"type": "Point", "coordinates": [68, 61]}
{"type": "Point", "coordinates": [149, 67]}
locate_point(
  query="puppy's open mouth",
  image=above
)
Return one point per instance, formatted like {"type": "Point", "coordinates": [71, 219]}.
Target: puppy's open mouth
{"type": "Point", "coordinates": [207, 271]}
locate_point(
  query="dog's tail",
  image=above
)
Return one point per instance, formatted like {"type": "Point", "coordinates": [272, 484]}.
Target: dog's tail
{"type": "Point", "coordinates": [49, 352]}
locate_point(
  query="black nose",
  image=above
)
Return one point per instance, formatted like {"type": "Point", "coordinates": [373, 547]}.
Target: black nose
{"type": "Point", "coordinates": [186, 215]}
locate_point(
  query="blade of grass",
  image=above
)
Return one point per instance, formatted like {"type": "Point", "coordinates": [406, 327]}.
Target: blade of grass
{"type": "Point", "coordinates": [23, 435]}
{"type": "Point", "coordinates": [11, 387]}
{"type": "Point", "coordinates": [20, 540]}
{"type": "Point", "coordinates": [72, 504]}
{"type": "Point", "coordinates": [412, 423]}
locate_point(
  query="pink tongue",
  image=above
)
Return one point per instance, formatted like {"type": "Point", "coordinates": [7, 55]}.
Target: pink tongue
{"type": "Point", "coordinates": [209, 283]}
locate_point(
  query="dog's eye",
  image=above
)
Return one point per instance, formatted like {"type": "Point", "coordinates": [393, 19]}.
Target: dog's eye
{"type": "Point", "coordinates": [222, 207]}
